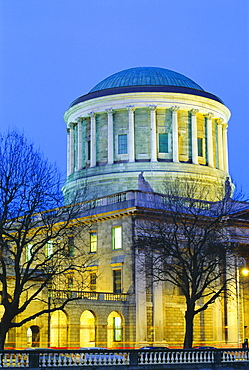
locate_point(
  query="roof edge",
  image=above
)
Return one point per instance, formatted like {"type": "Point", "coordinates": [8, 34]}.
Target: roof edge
{"type": "Point", "coordinates": [151, 88]}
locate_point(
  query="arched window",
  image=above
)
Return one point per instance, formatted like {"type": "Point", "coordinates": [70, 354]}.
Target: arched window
{"type": "Point", "coordinates": [58, 329]}
{"type": "Point", "coordinates": [87, 329]}
{"type": "Point", "coordinates": [33, 336]}
{"type": "Point", "coordinates": [115, 329]}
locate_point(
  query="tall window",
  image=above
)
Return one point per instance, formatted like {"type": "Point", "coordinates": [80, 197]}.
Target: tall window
{"type": "Point", "coordinates": [117, 329]}
{"type": "Point", "coordinates": [88, 150]}
{"type": "Point", "coordinates": [70, 282]}
{"type": "Point", "coordinates": [117, 281]}
{"type": "Point", "coordinates": [117, 237]}
{"type": "Point", "coordinates": [49, 248]}
{"type": "Point", "coordinates": [122, 144]}
{"type": "Point", "coordinates": [93, 281]}
{"type": "Point", "coordinates": [163, 143]}
{"type": "Point", "coordinates": [93, 242]}
{"type": "Point", "coordinates": [200, 146]}
{"type": "Point", "coordinates": [28, 252]}
{"type": "Point", "coordinates": [70, 246]}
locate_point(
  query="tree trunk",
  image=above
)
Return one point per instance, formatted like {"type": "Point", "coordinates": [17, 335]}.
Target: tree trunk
{"type": "Point", "coordinates": [189, 327]}
{"type": "Point", "coordinates": [3, 333]}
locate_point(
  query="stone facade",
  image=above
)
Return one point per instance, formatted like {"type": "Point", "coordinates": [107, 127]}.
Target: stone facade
{"type": "Point", "coordinates": [125, 147]}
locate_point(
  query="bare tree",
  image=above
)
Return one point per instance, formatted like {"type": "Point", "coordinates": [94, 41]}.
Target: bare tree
{"type": "Point", "coordinates": [37, 246]}
{"type": "Point", "coordinates": [185, 242]}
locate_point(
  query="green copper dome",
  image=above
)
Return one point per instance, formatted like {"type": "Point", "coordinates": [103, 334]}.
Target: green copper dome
{"type": "Point", "coordinates": [145, 76]}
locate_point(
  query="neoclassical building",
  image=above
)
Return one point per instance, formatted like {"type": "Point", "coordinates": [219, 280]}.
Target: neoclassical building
{"type": "Point", "coordinates": [141, 123]}
{"type": "Point", "coordinates": [145, 119]}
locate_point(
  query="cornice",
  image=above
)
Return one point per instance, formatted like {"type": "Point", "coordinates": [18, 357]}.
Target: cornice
{"type": "Point", "coordinates": [144, 100]}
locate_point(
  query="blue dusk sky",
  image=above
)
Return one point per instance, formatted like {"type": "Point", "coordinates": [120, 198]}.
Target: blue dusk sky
{"type": "Point", "coordinates": [53, 51]}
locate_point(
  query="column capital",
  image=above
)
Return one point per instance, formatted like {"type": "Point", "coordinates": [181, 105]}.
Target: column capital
{"type": "Point", "coordinates": [194, 111]}
{"type": "Point", "coordinates": [71, 125]}
{"type": "Point", "coordinates": [92, 114]}
{"type": "Point", "coordinates": [130, 108]}
{"type": "Point", "coordinates": [224, 125]}
{"type": "Point", "coordinates": [219, 121]}
{"type": "Point", "coordinates": [109, 111]}
{"type": "Point", "coordinates": [209, 115]}
{"type": "Point", "coordinates": [174, 108]}
{"type": "Point", "coordinates": [79, 119]}
{"type": "Point", "coordinates": [152, 107]}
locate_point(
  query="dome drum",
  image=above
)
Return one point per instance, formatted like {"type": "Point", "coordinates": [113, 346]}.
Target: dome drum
{"type": "Point", "coordinates": [112, 138]}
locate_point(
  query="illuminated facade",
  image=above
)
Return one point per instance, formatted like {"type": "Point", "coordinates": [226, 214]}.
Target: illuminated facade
{"type": "Point", "coordinates": [160, 123]}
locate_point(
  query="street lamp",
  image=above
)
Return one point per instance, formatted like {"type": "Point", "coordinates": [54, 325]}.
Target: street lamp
{"type": "Point", "coordinates": [245, 271]}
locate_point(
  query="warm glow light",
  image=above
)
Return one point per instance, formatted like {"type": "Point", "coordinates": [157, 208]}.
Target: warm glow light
{"type": "Point", "coordinates": [245, 271]}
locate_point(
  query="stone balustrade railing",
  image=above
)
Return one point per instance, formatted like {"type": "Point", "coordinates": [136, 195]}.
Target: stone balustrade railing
{"type": "Point", "coordinates": [46, 358]}
{"type": "Point", "coordinates": [63, 294]}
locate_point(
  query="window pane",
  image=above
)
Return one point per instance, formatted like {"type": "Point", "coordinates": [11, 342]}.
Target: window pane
{"type": "Point", "coordinates": [200, 151]}
{"type": "Point", "coordinates": [163, 143]}
{"type": "Point", "coordinates": [88, 150]}
{"type": "Point", "coordinates": [93, 242]}
{"type": "Point", "coordinates": [29, 252]}
{"type": "Point", "coordinates": [70, 282]}
{"type": "Point", "coordinates": [117, 281]}
{"type": "Point", "coordinates": [70, 251]}
{"type": "Point", "coordinates": [49, 248]}
{"type": "Point", "coordinates": [93, 281]}
{"type": "Point", "coordinates": [122, 144]}
{"type": "Point", "coordinates": [117, 237]}
{"type": "Point", "coordinates": [117, 329]}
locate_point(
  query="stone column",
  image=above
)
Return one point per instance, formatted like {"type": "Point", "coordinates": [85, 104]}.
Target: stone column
{"type": "Point", "coordinates": [194, 136]}
{"type": "Point", "coordinates": [79, 120]}
{"type": "Point", "coordinates": [68, 151]}
{"type": "Point", "coordinates": [210, 149]}
{"type": "Point", "coordinates": [152, 109]}
{"type": "Point", "coordinates": [225, 148]}
{"type": "Point", "coordinates": [131, 140]}
{"type": "Point", "coordinates": [71, 147]}
{"type": "Point", "coordinates": [93, 139]}
{"type": "Point", "coordinates": [110, 135]}
{"type": "Point", "coordinates": [220, 145]}
{"type": "Point", "coordinates": [175, 133]}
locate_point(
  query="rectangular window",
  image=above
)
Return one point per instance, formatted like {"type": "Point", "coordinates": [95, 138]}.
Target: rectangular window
{"type": "Point", "coordinates": [163, 143]}
{"type": "Point", "coordinates": [49, 248]}
{"type": "Point", "coordinates": [122, 144]}
{"type": "Point", "coordinates": [28, 252]}
{"type": "Point", "coordinates": [200, 146]}
{"type": "Point", "coordinates": [93, 281]}
{"type": "Point", "coordinates": [70, 246]}
{"type": "Point", "coordinates": [117, 329]}
{"type": "Point", "coordinates": [70, 282]}
{"type": "Point", "coordinates": [117, 281]}
{"type": "Point", "coordinates": [89, 150]}
{"type": "Point", "coordinates": [93, 242]}
{"type": "Point", "coordinates": [117, 237]}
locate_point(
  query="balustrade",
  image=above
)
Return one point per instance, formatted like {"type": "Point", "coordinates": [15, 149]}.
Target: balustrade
{"type": "Point", "coordinates": [36, 357]}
